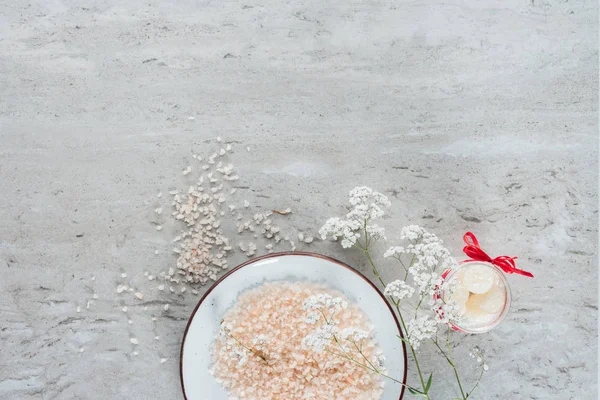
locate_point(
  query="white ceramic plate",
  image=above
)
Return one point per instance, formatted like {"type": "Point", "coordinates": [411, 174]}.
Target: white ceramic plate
{"type": "Point", "coordinates": [203, 326]}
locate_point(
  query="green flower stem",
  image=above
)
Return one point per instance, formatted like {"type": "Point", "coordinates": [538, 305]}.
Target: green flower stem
{"type": "Point", "coordinates": [451, 362]}
{"type": "Point", "coordinates": [414, 353]}
{"type": "Point", "coordinates": [249, 349]}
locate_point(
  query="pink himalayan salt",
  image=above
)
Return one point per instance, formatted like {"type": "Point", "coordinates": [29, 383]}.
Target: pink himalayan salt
{"type": "Point", "coordinates": [291, 372]}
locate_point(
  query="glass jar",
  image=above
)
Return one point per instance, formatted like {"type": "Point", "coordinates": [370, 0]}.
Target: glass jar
{"type": "Point", "coordinates": [484, 310]}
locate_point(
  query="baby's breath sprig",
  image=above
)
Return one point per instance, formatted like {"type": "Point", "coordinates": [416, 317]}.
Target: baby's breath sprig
{"type": "Point", "coordinates": [424, 259]}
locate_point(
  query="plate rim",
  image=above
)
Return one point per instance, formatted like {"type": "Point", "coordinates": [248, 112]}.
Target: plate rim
{"type": "Point", "coordinates": [283, 254]}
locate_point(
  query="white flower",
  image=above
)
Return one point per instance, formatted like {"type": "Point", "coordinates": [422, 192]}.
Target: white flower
{"type": "Point", "coordinates": [360, 195]}
{"type": "Point", "coordinates": [394, 251]}
{"type": "Point", "coordinates": [379, 360]}
{"type": "Point", "coordinates": [337, 228]}
{"type": "Point", "coordinates": [320, 338]}
{"type": "Point", "coordinates": [446, 312]}
{"type": "Point", "coordinates": [324, 302]}
{"type": "Point", "coordinates": [312, 318]}
{"type": "Point", "coordinates": [399, 290]}
{"type": "Point", "coordinates": [353, 334]}
{"type": "Point", "coordinates": [419, 329]}
{"type": "Point", "coordinates": [375, 232]}
{"type": "Point", "coordinates": [412, 232]}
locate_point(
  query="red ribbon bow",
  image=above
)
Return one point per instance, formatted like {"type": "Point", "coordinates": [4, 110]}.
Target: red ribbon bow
{"type": "Point", "coordinates": [506, 263]}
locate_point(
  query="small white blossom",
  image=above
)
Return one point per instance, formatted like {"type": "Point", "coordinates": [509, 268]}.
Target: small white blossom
{"type": "Point", "coordinates": [353, 334]}
{"type": "Point", "coordinates": [320, 338]}
{"type": "Point", "coordinates": [446, 312]}
{"type": "Point", "coordinates": [337, 228]}
{"type": "Point", "coordinates": [312, 318]}
{"type": "Point", "coordinates": [324, 302]}
{"type": "Point", "coordinates": [411, 232]}
{"type": "Point", "coordinates": [394, 251]}
{"type": "Point", "coordinates": [399, 290]}
{"type": "Point", "coordinates": [419, 329]}
{"type": "Point", "coordinates": [375, 232]}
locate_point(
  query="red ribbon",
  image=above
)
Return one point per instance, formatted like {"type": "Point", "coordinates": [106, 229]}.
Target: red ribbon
{"type": "Point", "coordinates": [506, 263]}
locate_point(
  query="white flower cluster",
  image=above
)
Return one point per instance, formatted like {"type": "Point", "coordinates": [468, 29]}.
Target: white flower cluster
{"type": "Point", "coordinates": [320, 338]}
{"type": "Point", "coordinates": [419, 329]}
{"type": "Point", "coordinates": [399, 290]}
{"type": "Point", "coordinates": [338, 228]}
{"type": "Point", "coordinates": [353, 334]}
{"type": "Point", "coordinates": [367, 205]}
{"type": "Point", "coordinates": [446, 311]}
{"type": "Point", "coordinates": [477, 354]}
{"type": "Point", "coordinates": [324, 302]}
{"type": "Point", "coordinates": [429, 257]}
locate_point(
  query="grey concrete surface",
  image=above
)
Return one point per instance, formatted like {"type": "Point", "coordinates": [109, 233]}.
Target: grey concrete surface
{"type": "Point", "coordinates": [470, 115]}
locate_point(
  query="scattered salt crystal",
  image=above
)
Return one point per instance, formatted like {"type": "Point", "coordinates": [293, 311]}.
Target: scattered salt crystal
{"type": "Point", "coordinates": [174, 192]}
{"type": "Point", "coordinates": [156, 252]}
{"type": "Point", "coordinates": [121, 288]}
{"type": "Point", "coordinates": [153, 318]}
{"type": "Point", "coordinates": [232, 191]}
{"type": "Point", "coordinates": [218, 138]}
{"type": "Point", "coordinates": [163, 360]}
{"type": "Point", "coordinates": [221, 152]}
{"type": "Point", "coordinates": [150, 277]}
{"type": "Point", "coordinates": [159, 194]}
{"type": "Point", "coordinates": [131, 289]}
{"type": "Point", "coordinates": [146, 273]}
{"type": "Point", "coordinates": [95, 296]}
{"type": "Point", "coordinates": [139, 295]}
{"type": "Point", "coordinates": [158, 210]}
{"type": "Point", "coordinates": [78, 309]}
{"type": "Point", "coordinates": [134, 341]}
{"type": "Point", "coordinates": [166, 307]}
{"type": "Point", "coordinates": [308, 239]}
{"type": "Point", "coordinates": [159, 228]}
{"type": "Point", "coordinates": [135, 353]}
{"type": "Point", "coordinates": [93, 278]}
{"type": "Point", "coordinates": [81, 349]}
{"type": "Point", "coordinates": [161, 287]}
{"type": "Point", "coordinates": [156, 337]}
{"type": "Point", "coordinates": [145, 308]}
{"type": "Point", "coordinates": [130, 322]}
{"type": "Point", "coordinates": [300, 236]}
{"type": "Point", "coordinates": [191, 118]}
{"type": "Point", "coordinates": [248, 149]}
{"type": "Point", "coordinates": [246, 203]}
{"type": "Point", "coordinates": [123, 275]}
{"type": "Point", "coordinates": [228, 147]}
{"type": "Point", "coordinates": [124, 309]}
{"type": "Point", "coordinates": [182, 289]}
{"type": "Point", "coordinates": [87, 305]}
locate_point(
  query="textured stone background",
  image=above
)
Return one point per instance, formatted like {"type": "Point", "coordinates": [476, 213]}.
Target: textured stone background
{"type": "Point", "coordinates": [470, 115]}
